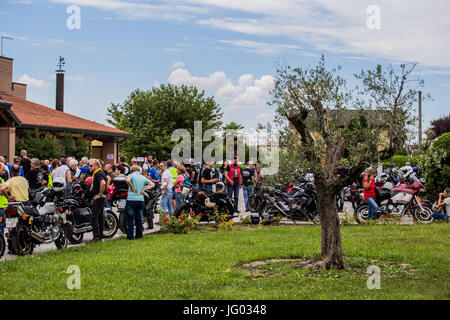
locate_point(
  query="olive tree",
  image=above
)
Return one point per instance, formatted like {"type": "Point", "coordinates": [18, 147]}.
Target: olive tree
{"type": "Point", "coordinates": [310, 105]}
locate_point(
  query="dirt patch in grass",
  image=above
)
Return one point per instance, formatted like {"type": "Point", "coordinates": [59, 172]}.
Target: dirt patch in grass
{"type": "Point", "coordinates": [356, 267]}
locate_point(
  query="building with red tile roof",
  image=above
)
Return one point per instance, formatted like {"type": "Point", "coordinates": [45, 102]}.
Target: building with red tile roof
{"type": "Point", "coordinates": [18, 114]}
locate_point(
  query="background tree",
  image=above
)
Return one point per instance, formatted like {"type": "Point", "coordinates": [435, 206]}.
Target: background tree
{"type": "Point", "coordinates": [151, 117]}
{"type": "Point", "coordinates": [439, 127]}
{"type": "Point", "coordinates": [318, 140]}
{"type": "Point", "coordinates": [396, 92]}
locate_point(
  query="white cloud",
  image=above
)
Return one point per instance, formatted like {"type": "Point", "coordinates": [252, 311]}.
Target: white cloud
{"type": "Point", "coordinates": [34, 83]}
{"type": "Point", "coordinates": [410, 30]}
{"type": "Point", "coordinates": [215, 80]}
{"type": "Point", "coordinates": [70, 78]}
{"type": "Point", "coordinates": [247, 94]}
{"type": "Point", "coordinates": [261, 47]}
{"type": "Point", "coordinates": [178, 65]}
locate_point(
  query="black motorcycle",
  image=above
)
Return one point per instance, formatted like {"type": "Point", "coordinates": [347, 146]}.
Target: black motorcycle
{"type": "Point", "coordinates": [299, 204]}
{"type": "Point", "coordinates": [205, 202]}
{"type": "Point", "coordinates": [78, 215]}
{"type": "Point", "coordinates": [151, 197]}
{"type": "Point", "coordinates": [35, 223]}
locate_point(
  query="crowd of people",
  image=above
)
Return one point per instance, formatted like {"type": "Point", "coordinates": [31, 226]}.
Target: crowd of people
{"type": "Point", "coordinates": [20, 179]}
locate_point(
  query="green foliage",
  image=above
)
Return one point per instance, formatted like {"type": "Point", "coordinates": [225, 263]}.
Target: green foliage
{"type": "Point", "coordinates": [48, 146]}
{"type": "Point", "coordinates": [436, 166]}
{"type": "Point", "coordinates": [183, 224]}
{"type": "Point", "coordinates": [41, 145]}
{"type": "Point", "coordinates": [76, 147]}
{"type": "Point", "coordinates": [152, 116]}
{"type": "Point", "coordinates": [223, 221]}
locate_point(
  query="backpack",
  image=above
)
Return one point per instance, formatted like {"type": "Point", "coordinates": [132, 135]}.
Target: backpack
{"type": "Point", "coordinates": [187, 181]}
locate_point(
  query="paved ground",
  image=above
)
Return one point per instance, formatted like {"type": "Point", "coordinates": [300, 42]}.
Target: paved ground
{"type": "Point", "coordinates": [241, 208]}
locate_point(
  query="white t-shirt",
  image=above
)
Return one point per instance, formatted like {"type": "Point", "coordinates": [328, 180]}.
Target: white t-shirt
{"type": "Point", "coordinates": [168, 175]}
{"type": "Point", "coordinates": [60, 172]}
{"type": "Point", "coordinates": [447, 206]}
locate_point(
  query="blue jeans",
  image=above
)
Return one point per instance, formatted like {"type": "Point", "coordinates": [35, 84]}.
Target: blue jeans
{"type": "Point", "coordinates": [436, 216]}
{"type": "Point", "coordinates": [248, 190]}
{"type": "Point", "coordinates": [373, 208]}
{"type": "Point", "coordinates": [234, 189]}
{"type": "Point", "coordinates": [179, 198]}
{"type": "Point", "coordinates": [208, 187]}
{"type": "Point", "coordinates": [166, 202]}
{"type": "Point", "coordinates": [135, 210]}
{"type": "Point", "coordinates": [3, 223]}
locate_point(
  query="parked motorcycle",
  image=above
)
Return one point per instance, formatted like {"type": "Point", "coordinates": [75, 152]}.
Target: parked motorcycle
{"type": "Point", "coordinates": [33, 224]}
{"type": "Point", "coordinates": [300, 204]}
{"type": "Point", "coordinates": [404, 198]}
{"type": "Point", "coordinates": [118, 193]}
{"type": "Point", "coordinates": [206, 202]}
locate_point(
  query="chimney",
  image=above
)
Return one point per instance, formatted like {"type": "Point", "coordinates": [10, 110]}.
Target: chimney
{"type": "Point", "coordinates": [6, 73]}
{"type": "Point", "coordinates": [60, 85]}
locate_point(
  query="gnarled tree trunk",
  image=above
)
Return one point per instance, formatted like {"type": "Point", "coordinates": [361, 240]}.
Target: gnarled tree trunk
{"type": "Point", "coordinates": [331, 251]}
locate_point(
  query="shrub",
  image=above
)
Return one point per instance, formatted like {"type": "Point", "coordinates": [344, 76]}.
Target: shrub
{"type": "Point", "coordinates": [223, 222]}
{"type": "Point", "coordinates": [436, 165]}
{"type": "Point", "coordinates": [183, 224]}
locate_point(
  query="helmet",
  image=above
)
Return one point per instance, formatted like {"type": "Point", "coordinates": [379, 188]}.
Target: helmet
{"type": "Point", "coordinates": [220, 187]}
{"type": "Point", "coordinates": [255, 218]}
{"type": "Point", "coordinates": [383, 178]}
{"type": "Point", "coordinates": [59, 184]}
{"type": "Point", "coordinates": [415, 169]}
{"type": "Point", "coordinates": [88, 180]}
{"type": "Point", "coordinates": [436, 208]}
{"type": "Point", "coordinates": [208, 203]}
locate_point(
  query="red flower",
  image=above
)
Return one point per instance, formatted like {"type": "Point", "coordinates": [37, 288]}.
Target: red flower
{"type": "Point", "coordinates": [185, 228]}
{"type": "Point", "coordinates": [182, 217]}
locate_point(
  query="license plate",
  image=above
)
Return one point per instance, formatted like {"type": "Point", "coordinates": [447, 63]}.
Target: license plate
{"type": "Point", "coordinates": [11, 222]}
{"type": "Point", "coordinates": [122, 204]}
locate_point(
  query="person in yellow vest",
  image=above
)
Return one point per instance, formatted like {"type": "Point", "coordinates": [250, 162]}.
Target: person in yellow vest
{"type": "Point", "coordinates": [17, 186]}
{"type": "Point", "coordinates": [3, 199]}
{"type": "Point", "coordinates": [172, 167]}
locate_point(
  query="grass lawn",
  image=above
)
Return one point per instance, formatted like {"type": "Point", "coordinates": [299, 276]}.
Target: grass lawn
{"type": "Point", "coordinates": [207, 265]}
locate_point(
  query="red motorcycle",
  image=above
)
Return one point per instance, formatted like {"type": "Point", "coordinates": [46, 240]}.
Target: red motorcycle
{"type": "Point", "coordinates": [402, 199]}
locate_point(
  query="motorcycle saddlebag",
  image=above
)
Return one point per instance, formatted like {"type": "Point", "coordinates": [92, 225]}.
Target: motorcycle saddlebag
{"type": "Point", "coordinates": [402, 198]}
{"type": "Point", "coordinates": [120, 183]}
{"type": "Point", "coordinates": [82, 216]}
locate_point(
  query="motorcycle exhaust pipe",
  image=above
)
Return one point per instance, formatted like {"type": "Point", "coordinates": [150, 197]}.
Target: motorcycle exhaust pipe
{"type": "Point", "coordinates": [36, 236]}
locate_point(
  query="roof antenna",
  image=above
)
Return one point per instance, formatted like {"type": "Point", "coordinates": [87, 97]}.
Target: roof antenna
{"type": "Point", "coordinates": [4, 37]}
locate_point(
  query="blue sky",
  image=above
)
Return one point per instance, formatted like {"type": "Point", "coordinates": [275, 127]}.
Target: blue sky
{"type": "Point", "coordinates": [230, 48]}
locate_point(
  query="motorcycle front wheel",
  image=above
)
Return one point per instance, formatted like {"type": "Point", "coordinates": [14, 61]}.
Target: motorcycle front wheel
{"type": "Point", "coordinates": [62, 241]}
{"type": "Point", "coordinates": [424, 216]}
{"type": "Point", "coordinates": [111, 224]}
{"type": "Point", "coordinates": [253, 203]}
{"type": "Point", "coordinates": [362, 213]}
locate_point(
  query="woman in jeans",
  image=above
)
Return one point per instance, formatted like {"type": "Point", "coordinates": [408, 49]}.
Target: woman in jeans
{"type": "Point", "coordinates": [135, 201]}
{"type": "Point", "coordinates": [369, 193]}
{"type": "Point", "coordinates": [179, 181]}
